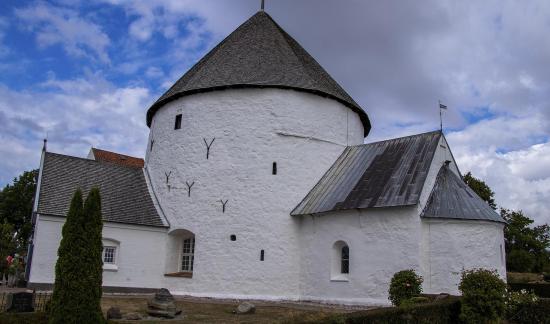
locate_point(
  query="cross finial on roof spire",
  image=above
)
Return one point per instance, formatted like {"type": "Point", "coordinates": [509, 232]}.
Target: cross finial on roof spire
{"type": "Point", "coordinates": [263, 5]}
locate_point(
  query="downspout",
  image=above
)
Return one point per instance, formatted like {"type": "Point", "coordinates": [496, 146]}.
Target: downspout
{"type": "Point", "coordinates": [35, 216]}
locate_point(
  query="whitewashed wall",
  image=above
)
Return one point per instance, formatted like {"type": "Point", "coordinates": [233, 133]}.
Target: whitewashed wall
{"type": "Point", "coordinates": [381, 242]}
{"type": "Point", "coordinates": [139, 262]}
{"type": "Point", "coordinates": [302, 132]}
{"type": "Point", "coordinates": [456, 245]}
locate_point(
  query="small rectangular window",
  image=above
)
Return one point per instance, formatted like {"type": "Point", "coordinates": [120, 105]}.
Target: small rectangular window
{"type": "Point", "coordinates": [177, 125]}
{"type": "Point", "coordinates": [274, 169]}
{"type": "Point", "coordinates": [261, 255]}
{"type": "Point", "coordinates": [109, 254]}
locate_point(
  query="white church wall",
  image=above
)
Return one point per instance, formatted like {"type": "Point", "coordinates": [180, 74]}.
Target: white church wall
{"type": "Point", "coordinates": [303, 133]}
{"type": "Point", "coordinates": [451, 246]}
{"type": "Point", "coordinates": [138, 262]}
{"type": "Point", "coordinates": [381, 242]}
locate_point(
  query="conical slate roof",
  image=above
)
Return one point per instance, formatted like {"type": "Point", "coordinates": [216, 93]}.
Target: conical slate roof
{"type": "Point", "coordinates": [452, 198]}
{"type": "Point", "coordinates": [258, 54]}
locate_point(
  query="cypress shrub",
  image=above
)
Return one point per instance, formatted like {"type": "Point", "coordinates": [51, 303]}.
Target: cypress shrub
{"type": "Point", "coordinates": [78, 271]}
{"type": "Point", "coordinates": [93, 269]}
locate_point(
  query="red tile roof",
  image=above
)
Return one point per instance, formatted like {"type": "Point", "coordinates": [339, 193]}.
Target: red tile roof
{"type": "Point", "coordinates": [116, 158]}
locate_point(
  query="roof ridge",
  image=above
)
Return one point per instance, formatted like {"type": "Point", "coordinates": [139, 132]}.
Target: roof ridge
{"type": "Point", "coordinates": [102, 150]}
{"type": "Point", "coordinates": [93, 161]}
{"type": "Point", "coordinates": [397, 138]}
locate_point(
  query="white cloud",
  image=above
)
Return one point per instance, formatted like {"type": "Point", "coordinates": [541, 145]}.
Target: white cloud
{"type": "Point", "coordinates": [520, 177]}
{"type": "Point", "coordinates": [75, 115]}
{"type": "Point", "coordinates": [56, 25]}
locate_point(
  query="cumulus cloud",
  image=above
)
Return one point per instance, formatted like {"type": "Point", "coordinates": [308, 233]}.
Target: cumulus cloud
{"type": "Point", "coordinates": [58, 25]}
{"type": "Point", "coordinates": [75, 115]}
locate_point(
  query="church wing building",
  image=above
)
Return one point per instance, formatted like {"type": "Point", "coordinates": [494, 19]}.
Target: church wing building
{"type": "Point", "coordinates": [256, 184]}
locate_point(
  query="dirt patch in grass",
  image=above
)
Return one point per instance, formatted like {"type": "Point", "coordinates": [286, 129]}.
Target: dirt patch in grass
{"type": "Point", "coordinates": [523, 277]}
{"type": "Point", "coordinates": [203, 310]}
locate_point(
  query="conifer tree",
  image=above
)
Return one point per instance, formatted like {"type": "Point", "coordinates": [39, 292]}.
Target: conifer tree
{"type": "Point", "coordinates": [79, 268]}
{"type": "Point", "coordinates": [67, 294]}
{"type": "Point", "coordinates": [93, 226]}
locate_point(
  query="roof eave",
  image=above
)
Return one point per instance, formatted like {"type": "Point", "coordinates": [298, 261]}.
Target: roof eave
{"type": "Point", "coordinates": [353, 106]}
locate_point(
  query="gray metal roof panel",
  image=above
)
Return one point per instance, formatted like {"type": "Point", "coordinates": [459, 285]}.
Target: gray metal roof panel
{"type": "Point", "coordinates": [452, 198]}
{"type": "Point", "coordinates": [124, 194]}
{"type": "Point", "coordinates": [259, 53]}
{"type": "Point", "coordinates": [382, 174]}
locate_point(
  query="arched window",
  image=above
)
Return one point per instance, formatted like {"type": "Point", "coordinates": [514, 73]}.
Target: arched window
{"type": "Point", "coordinates": [339, 270]}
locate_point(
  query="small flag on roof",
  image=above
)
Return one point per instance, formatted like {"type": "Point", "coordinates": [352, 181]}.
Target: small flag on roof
{"type": "Point", "coordinates": [442, 106]}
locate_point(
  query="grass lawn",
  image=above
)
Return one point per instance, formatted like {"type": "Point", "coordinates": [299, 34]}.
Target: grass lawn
{"type": "Point", "coordinates": [201, 310]}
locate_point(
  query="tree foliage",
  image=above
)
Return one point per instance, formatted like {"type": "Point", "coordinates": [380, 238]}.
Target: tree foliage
{"type": "Point", "coordinates": [483, 296]}
{"type": "Point", "coordinates": [533, 241]}
{"type": "Point", "coordinates": [481, 189]}
{"type": "Point", "coordinates": [404, 285]}
{"type": "Point", "coordinates": [78, 271]}
{"type": "Point", "coordinates": [16, 202]}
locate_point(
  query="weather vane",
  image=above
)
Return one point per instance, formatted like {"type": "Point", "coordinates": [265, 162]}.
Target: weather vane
{"type": "Point", "coordinates": [441, 107]}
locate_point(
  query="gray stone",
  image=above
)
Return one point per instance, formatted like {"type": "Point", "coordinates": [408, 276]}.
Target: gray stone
{"type": "Point", "coordinates": [246, 308]}
{"type": "Point", "coordinates": [114, 313]}
{"type": "Point", "coordinates": [133, 316]}
{"type": "Point", "coordinates": [161, 313]}
{"type": "Point", "coordinates": [20, 302]}
{"type": "Point", "coordinates": [442, 296]}
{"type": "Point", "coordinates": [162, 305]}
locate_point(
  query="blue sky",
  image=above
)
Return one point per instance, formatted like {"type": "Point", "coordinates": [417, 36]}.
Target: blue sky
{"type": "Point", "coordinates": [84, 73]}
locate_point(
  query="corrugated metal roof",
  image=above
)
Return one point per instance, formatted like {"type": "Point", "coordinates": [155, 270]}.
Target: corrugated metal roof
{"type": "Point", "coordinates": [452, 198]}
{"type": "Point", "coordinates": [258, 54]}
{"type": "Point", "coordinates": [124, 194]}
{"type": "Point", "coordinates": [381, 174]}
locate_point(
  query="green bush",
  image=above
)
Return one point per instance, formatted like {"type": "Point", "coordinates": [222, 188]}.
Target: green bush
{"type": "Point", "coordinates": [404, 285]}
{"type": "Point", "coordinates": [540, 289]}
{"type": "Point", "coordinates": [537, 312]}
{"type": "Point", "coordinates": [520, 261]}
{"type": "Point", "coordinates": [78, 271]}
{"type": "Point", "coordinates": [516, 301]}
{"type": "Point", "coordinates": [443, 312]}
{"type": "Point", "coordinates": [483, 296]}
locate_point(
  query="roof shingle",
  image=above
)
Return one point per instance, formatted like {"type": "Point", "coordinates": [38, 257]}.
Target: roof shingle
{"type": "Point", "coordinates": [382, 174]}
{"type": "Point", "coordinates": [125, 197]}
{"type": "Point", "coordinates": [452, 198]}
{"type": "Point", "coordinates": [117, 158]}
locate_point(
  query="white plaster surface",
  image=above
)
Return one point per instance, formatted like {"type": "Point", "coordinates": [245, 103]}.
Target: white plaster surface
{"type": "Point", "coordinates": [140, 262]}
{"type": "Point", "coordinates": [451, 246]}
{"type": "Point", "coordinates": [302, 132]}
{"type": "Point", "coordinates": [381, 242]}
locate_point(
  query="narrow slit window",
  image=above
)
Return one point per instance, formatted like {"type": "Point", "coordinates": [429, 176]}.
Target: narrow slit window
{"type": "Point", "coordinates": [262, 255]}
{"type": "Point", "coordinates": [345, 259]}
{"type": "Point", "coordinates": [274, 168]}
{"type": "Point", "coordinates": [233, 237]}
{"type": "Point", "coordinates": [177, 125]}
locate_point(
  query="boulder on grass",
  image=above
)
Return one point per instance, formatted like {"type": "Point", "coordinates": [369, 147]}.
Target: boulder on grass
{"type": "Point", "coordinates": [246, 308]}
{"type": "Point", "coordinates": [162, 305]}
{"type": "Point", "coordinates": [114, 313]}
{"type": "Point", "coordinates": [132, 317]}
